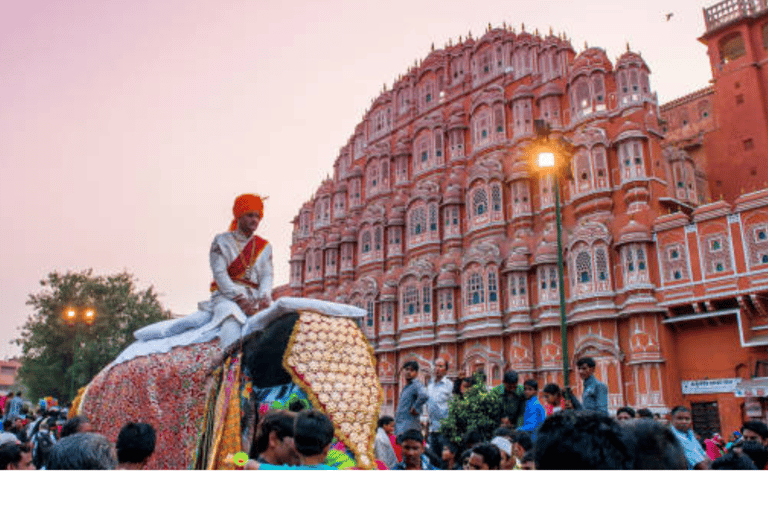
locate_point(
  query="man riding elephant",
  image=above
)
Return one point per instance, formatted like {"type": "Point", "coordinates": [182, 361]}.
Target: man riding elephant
{"type": "Point", "coordinates": [241, 263]}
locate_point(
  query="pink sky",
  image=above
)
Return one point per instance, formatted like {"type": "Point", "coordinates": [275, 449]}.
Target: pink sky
{"type": "Point", "coordinates": [127, 128]}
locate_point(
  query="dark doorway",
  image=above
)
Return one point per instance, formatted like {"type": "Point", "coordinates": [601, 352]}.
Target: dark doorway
{"type": "Point", "coordinates": [706, 418]}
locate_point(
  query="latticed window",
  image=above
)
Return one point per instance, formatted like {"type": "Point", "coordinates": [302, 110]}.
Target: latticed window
{"type": "Point", "coordinates": [475, 292]}
{"type": "Point", "coordinates": [410, 301]}
{"type": "Point", "coordinates": [583, 267]}
{"type": "Point", "coordinates": [369, 315]}
{"type": "Point", "coordinates": [433, 217]}
{"type": "Point", "coordinates": [480, 201]}
{"type": "Point", "coordinates": [757, 244]}
{"type": "Point", "coordinates": [426, 298]}
{"type": "Point", "coordinates": [493, 287]}
{"type": "Point", "coordinates": [601, 264]}
{"type": "Point", "coordinates": [731, 48]}
{"type": "Point", "coordinates": [418, 221]}
{"type": "Point", "coordinates": [377, 238]}
{"type": "Point", "coordinates": [365, 242]}
{"type": "Point", "coordinates": [496, 198]}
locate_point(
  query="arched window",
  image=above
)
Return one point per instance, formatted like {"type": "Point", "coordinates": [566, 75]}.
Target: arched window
{"type": "Point", "coordinates": [433, 217]}
{"type": "Point", "coordinates": [377, 239]}
{"type": "Point", "coordinates": [418, 221]}
{"type": "Point", "coordinates": [410, 300]}
{"type": "Point", "coordinates": [480, 201]}
{"type": "Point", "coordinates": [426, 298]}
{"type": "Point", "coordinates": [475, 291]}
{"type": "Point", "coordinates": [496, 197]}
{"type": "Point", "coordinates": [601, 265]}
{"type": "Point", "coordinates": [583, 173]}
{"type": "Point", "coordinates": [493, 287]}
{"type": "Point", "coordinates": [365, 242]}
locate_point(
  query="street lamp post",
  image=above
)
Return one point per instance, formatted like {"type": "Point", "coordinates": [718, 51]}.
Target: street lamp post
{"type": "Point", "coordinates": [73, 317]}
{"type": "Point", "coordinates": [553, 157]}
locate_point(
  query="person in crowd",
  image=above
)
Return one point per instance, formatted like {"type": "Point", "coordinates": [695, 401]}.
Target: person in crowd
{"type": "Point", "coordinates": [522, 443]}
{"type": "Point", "coordinates": [553, 398]}
{"type": "Point", "coordinates": [644, 413]}
{"type": "Point", "coordinates": [595, 396]}
{"type": "Point", "coordinates": [313, 437]}
{"type": "Point", "coordinates": [504, 445]}
{"type": "Point", "coordinates": [42, 442]}
{"type": "Point", "coordinates": [13, 407]}
{"type": "Point", "coordinates": [484, 456]}
{"type": "Point", "coordinates": [506, 432]}
{"type": "Point", "coordinates": [439, 393]}
{"type": "Point", "coordinates": [464, 461]}
{"type": "Point", "coordinates": [582, 440]}
{"type": "Point", "coordinates": [450, 456]}
{"type": "Point", "coordinates": [382, 448]}
{"type": "Point", "coordinates": [471, 438]}
{"type": "Point", "coordinates": [135, 445]}
{"type": "Point", "coordinates": [76, 425]}
{"type": "Point", "coordinates": [534, 412]}
{"type": "Point", "coordinates": [625, 414]}
{"type": "Point", "coordinates": [86, 450]}
{"type": "Point", "coordinates": [733, 460]}
{"type": "Point", "coordinates": [273, 441]}
{"type": "Point", "coordinates": [654, 445]}
{"type": "Point", "coordinates": [4, 400]}
{"type": "Point", "coordinates": [681, 426]}
{"type": "Point", "coordinates": [755, 431]}
{"type": "Point", "coordinates": [714, 447]}
{"type": "Point", "coordinates": [527, 462]}
{"type": "Point", "coordinates": [413, 451]}
{"type": "Point", "coordinates": [755, 451]}
{"type": "Point", "coordinates": [15, 456]}
{"type": "Point", "coordinates": [512, 399]}
{"type": "Point", "coordinates": [465, 384]}
{"type": "Point", "coordinates": [411, 401]}
{"type": "Point", "coordinates": [17, 428]}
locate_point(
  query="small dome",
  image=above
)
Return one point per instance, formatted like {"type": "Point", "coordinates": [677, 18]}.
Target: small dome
{"type": "Point", "coordinates": [591, 59]}
{"type": "Point", "coordinates": [631, 59]}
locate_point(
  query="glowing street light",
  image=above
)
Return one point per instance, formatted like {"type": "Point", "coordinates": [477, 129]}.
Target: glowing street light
{"type": "Point", "coordinates": [554, 158]}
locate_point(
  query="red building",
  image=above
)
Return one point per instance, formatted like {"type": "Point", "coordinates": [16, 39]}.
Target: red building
{"type": "Point", "coordinates": [436, 224]}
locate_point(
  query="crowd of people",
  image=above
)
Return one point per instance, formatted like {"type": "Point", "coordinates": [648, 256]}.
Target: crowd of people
{"type": "Point", "coordinates": [51, 441]}
{"type": "Point", "coordinates": [556, 430]}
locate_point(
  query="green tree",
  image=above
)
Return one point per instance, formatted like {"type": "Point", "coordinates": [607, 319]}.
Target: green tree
{"type": "Point", "coordinates": [61, 354]}
{"type": "Point", "coordinates": [478, 410]}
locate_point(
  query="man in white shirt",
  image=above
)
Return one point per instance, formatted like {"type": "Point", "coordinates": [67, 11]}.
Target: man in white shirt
{"type": "Point", "coordinates": [439, 392]}
{"type": "Point", "coordinates": [241, 263]}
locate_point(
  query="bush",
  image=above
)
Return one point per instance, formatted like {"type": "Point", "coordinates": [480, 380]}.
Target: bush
{"type": "Point", "coordinates": [478, 410]}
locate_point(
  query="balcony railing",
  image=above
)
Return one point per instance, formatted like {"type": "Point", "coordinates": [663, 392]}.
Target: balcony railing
{"type": "Point", "coordinates": [730, 10]}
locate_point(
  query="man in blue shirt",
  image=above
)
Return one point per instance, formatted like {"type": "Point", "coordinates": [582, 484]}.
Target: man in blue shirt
{"type": "Point", "coordinates": [411, 401]}
{"type": "Point", "coordinates": [681, 426]}
{"type": "Point", "coordinates": [439, 391]}
{"type": "Point", "coordinates": [595, 396]}
{"type": "Point", "coordinates": [534, 414]}
{"type": "Point", "coordinates": [413, 451]}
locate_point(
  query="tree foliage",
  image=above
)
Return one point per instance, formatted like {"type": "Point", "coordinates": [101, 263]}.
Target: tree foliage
{"type": "Point", "coordinates": [58, 357]}
{"type": "Point", "coordinates": [478, 410]}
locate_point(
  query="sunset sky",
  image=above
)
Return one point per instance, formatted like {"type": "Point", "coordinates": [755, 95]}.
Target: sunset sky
{"type": "Point", "coordinates": [128, 127]}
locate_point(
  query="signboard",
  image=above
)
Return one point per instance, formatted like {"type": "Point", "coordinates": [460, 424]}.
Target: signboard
{"type": "Point", "coordinates": [700, 387]}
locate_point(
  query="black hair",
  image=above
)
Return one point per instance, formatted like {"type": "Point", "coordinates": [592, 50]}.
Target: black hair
{"type": "Point", "coordinates": [733, 460]}
{"type": "Point", "coordinates": [410, 435]}
{"type": "Point", "coordinates": [679, 408]}
{"type": "Point", "coordinates": [504, 432]}
{"type": "Point", "coordinates": [755, 451]}
{"type": "Point", "coordinates": [279, 422]}
{"type": "Point", "coordinates": [644, 413]}
{"type": "Point", "coordinates": [490, 453]}
{"type": "Point", "coordinates": [655, 445]}
{"type": "Point", "coordinates": [510, 377]}
{"type": "Point", "coordinates": [452, 447]}
{"type": "Point", "coordinates": [464, 457]}
{"type": "Point", "coordinates": [10, 453]}
{"type": "Point", "coordinates": [531, 383]}
{"type": "Point", "coordinates": [312, 432]}
{"type": "Point", "coordinates": [412, 365]}
{"type": "Point", "coordinates": [758, 427]}
{"type": "Point", "coordinates": [552, 389]}
{"type": "Point", "coordinates": [627, 410]}
{"type": "Point", "coordinates": [385, 420]}
{"type": "Point", "coordinates": [263, 352]}
{"type": "Point", "coordinates": [587, 361]}
{"type": "Point", "coordinates": [135, 442]}
{"type": "Point", "coordinates": [471, 438]}
{"type": "Point", "coordinates": [528, 456]}
{"type": "Point", "coordinates": [582, 440]}
{"type": "Point", "coordinates": [72, 426]}
{"type": "Point", "coordinates": [524, 439]}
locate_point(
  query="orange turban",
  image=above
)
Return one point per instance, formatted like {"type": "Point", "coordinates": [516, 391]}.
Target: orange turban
{"type": "Point", "coordinates": [244, 204]}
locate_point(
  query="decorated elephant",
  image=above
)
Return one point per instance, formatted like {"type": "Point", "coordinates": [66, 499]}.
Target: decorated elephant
{"type": "Point", "coordinates": [204, 399]}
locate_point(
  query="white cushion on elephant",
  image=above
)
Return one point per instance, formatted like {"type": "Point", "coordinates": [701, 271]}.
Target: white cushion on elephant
{"type": "Point", "coordinates": [283, 305]}
{"type": "Point", "coordinates": [203, 326]}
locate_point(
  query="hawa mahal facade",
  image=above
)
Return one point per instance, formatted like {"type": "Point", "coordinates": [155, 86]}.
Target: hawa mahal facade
{"type": "Point", "coordinates": [436, 224]}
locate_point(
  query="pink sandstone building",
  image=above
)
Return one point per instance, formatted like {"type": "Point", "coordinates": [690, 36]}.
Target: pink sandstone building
{"type": "Point", "coordinates": [436, 224]}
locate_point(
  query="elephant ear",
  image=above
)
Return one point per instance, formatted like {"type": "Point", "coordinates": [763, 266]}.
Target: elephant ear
{"type": "Point", "coordinates": [263, 353]}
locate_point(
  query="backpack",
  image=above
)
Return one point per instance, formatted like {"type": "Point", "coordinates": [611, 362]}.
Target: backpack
{"type": "Point", "coordinates": [43, 445]}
